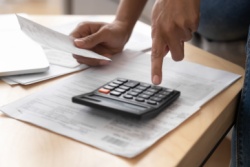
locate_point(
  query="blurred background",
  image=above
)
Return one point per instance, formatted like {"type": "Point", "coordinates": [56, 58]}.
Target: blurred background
{"type": "Point", "coordinates": [32, 6]}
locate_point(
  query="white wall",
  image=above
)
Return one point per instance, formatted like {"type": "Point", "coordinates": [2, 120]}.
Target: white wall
{"type": "Point", "coordinates": [102, 7]}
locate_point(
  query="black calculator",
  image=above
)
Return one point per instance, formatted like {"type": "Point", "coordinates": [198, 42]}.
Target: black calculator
{"type": "Point", "coordinates": [130, 98]}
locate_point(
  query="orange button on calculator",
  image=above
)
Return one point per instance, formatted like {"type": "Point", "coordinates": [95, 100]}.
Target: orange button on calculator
{"type": "Point", "coordinates": [102, 90]}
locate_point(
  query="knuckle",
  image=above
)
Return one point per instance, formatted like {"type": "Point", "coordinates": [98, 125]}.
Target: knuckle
{"type": "Point", "coordinates": [105, 30]}
{"type": "Point", "coordinates": [88, 39]}
{"type": "Point", "coordinates": [156, 54]}
{"type": "Point", "coordinates": [170, 28]}
{"type": "Point", "coordinates": [193, 27]}
{"type": "Point", "coordinates": [194, 23]}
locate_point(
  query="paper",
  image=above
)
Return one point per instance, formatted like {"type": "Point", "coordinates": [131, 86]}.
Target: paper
{"type": "Point", "coordinates": [54, 71]}
{"type": "Point", "coordinates": [52, 108]}
{"type": "Point", "coordinates": [9, 22]}
{"type": "Point", "coordinates": [60, 58]}
{"type": "Point", "coordinates": [9, 81]}
{"type": "Point", "coordinates": [55, 40]}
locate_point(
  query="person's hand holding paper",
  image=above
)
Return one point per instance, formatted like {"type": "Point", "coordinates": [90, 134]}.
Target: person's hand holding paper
{"type": "Point", "coordinates": [103, 38]}
{"type": "Point", "coordinates": [53, 39]}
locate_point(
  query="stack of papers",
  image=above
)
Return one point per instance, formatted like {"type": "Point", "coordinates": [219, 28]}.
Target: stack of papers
{"type": "Point", "coordinates": [59, 48]}
{"type": "Point", "coordinates": [52, 108]}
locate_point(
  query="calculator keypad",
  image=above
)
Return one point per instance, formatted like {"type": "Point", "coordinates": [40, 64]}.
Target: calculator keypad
{"type": "Point", "coordinates": [136, 91]}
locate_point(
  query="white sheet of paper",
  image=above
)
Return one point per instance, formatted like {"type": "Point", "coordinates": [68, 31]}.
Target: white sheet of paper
{"type": "Point", "coordinates": [60, 58]}
{"type": "Point", "coordinates": [52, 108]}
{"type": "Point", "coordinates": [9, 81]}
{"type": "Point", "coordinates": [52, 39]}
{"type": "Point", "coordinates": [9, 22]}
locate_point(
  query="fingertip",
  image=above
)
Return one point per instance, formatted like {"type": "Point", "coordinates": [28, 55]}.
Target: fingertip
{"type": "Point", "coordinates": [75, 56]}
{"type": "Point", "coordinates": [156, 67]}
{"type": "Point", "coordinates": [156, 80]}
{"type": "Point", "coordinates": [178, 58]}
{"type": "Point", "coordinates": [78, 42]}
{"type": "Point", "coordinates": [177, 50]}
{"type": "Point", "coordinates": [104, 62]}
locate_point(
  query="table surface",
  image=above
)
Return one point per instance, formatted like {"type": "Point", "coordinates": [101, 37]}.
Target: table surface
{"type": "Point", "coordinates": [25, 145]}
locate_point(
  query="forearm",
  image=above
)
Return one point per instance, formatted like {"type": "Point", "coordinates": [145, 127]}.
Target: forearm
{"type": "Point", "coordinates": [129, 11]}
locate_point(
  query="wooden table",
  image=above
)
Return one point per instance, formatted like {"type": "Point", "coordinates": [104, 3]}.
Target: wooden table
{"type": "Point", "coordinates": [25, 145]}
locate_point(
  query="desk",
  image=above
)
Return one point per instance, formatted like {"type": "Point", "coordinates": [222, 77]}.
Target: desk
{"type": "Point", "coordinates": [25, 145]}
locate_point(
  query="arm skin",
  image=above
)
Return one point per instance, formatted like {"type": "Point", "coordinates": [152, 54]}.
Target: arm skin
{"type": "Point", "coordinates": [129, 11]}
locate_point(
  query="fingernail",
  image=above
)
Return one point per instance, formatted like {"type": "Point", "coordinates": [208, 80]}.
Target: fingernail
{"type": "Point", "coordinates": [104, 62]}
{"type": "Point", "coordinates": [156, 80]}
{"type": "Point", "coordinates": [79, 41]}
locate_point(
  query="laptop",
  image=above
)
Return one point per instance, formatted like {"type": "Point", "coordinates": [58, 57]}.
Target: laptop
{"type": "Point", "coordinates": [19, 54]}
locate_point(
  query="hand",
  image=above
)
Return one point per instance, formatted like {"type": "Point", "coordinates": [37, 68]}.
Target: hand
{"type": "Point", "coordinates": [173, 22]}
{"type": "Point", "coordinates": [106, 39]}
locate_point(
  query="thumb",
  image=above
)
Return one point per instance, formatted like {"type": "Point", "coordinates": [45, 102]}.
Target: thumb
{"type": "Point", "coordinates": [90, 41]}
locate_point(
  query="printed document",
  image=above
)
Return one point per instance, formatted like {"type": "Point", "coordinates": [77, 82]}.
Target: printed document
{"type": "Point", "coordinates": [52, 39]}
{"type": "Point", "coordinates": [52, 108]}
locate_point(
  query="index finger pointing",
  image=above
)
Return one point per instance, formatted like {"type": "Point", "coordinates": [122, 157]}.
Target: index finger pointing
{"type": "Point", "coordinates": [158, 53]}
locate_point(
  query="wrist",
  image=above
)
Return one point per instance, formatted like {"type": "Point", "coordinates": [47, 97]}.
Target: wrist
{"type": "Point", "coordinates": [125, 28]}
{"type": "Point", "coordinates": [125, 24]}
{"type": "Point", "coordinates": [128, 12]}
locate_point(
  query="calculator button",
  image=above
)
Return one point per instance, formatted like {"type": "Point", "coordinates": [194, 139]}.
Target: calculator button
{"type": "Point", "coordinates": [152, 90]}
{"type": "Point", "coordinates": [156, 99]}
{"type": "Point", "coordinates": [120, 90]}
{"type": "Point", "coordinates": [141, 87]}
{"type": "Point", "coordinates": [113, 84]}
{"type": "Point", "coordinates": [152, 102]}
{"type": "Point", "coordinates": [108, 87]}
{"type": "Point", "coordinates": [165, 92]}
{"type": "Point", "coordinates": [118, 82]}
{"type": "Point", "coordinates": [115, 93]}
{"type": "Point", "coordinates": [144, 96]}
{"type": "Point", "coordinates": [140, 99]}
{"type": "Point", "coordinates": [156, 87]}
{"type": "Point", "coordinates": [122, 80]}
{"type": "Point", "coordinates": [136, 90]}
{"type": "Point", "coordinates": [145, 85]}
{"type": "Point", "coordinates": [131, 84]}
{"type": "Point", "coordinates": [148, 93]}
{"type": "Point", "coordinates": [127, 96]}
{"type": "Point", "coordinates": [102, 90]}
{"type": "Point", "coordinates": [133, 93]}
{"type": "Point", "coordinates": [124, 87]}
{"type": "Point", "coordinates": [160, 95]}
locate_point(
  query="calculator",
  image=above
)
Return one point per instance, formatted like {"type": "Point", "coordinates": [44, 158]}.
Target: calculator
{"type": "Point", "coordinates": [129, 98]}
